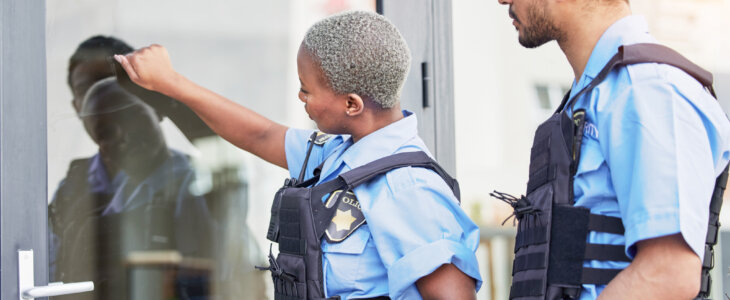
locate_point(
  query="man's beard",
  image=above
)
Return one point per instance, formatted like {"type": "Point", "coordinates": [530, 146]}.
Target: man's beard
{"type": "Point", "coordinates": [540, 31]}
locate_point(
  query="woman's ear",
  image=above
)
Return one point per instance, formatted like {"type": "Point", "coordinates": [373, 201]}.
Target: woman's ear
{"type": "Point", "coordinates": [354, 105]}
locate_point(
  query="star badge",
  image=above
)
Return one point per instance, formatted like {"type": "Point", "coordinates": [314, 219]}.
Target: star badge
{"type": "Point", "coordinates": [347, 219]}
{"type": "Point", "coordinates": [343, 220]}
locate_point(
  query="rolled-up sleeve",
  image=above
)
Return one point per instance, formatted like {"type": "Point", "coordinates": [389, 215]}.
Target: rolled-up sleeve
{"type": "Point", "coordinates": [417, 226]}
{"type": "Point", "coordinates": [664, 152]}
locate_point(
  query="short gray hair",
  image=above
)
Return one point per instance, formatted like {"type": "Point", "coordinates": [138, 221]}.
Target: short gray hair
{"type": "Point", "coordinates": [362, 53]}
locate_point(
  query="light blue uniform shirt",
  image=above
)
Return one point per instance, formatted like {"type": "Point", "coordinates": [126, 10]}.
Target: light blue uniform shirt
{"type": "Point", "coordinates": [414, 224]}
{"type": "Point", "coordinates": [653, 144]}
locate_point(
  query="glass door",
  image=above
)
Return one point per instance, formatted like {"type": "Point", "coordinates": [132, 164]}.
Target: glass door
{"type": "Point", "coordinates": [144, 200]}
{"type": "Point", "coordinates": [126, 189]}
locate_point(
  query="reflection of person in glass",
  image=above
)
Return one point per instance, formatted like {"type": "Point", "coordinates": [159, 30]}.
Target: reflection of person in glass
{"type": "Point", "coordinates": [89, 183]}
{"type": "Point", "coordinates": [89, 64]}
{"type": "Point", "coordinates": [99, 219]}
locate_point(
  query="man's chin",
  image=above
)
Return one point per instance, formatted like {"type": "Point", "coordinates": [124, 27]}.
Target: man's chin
{"type": "Point", "coordinates": [531, 43]}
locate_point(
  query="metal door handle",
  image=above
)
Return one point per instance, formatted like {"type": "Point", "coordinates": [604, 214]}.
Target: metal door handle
{"type": "Point", "coordinates": [28, 290]}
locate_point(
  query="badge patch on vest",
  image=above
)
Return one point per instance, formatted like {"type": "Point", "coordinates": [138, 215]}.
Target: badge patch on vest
{"type": "Point", "coordinates": [321, 138]}
{"type": "Point", "coordinates": [347, 219]}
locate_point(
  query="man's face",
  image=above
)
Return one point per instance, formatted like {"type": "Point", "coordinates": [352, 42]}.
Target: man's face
{"type": "Point", "coordinates": [320, 101]}
{"type": "Point", "coordinates": [533, 22]}
{"type": "Point", "coordinates": [84, 75]}
{"type": "Point", "coordinates": [129, 137]}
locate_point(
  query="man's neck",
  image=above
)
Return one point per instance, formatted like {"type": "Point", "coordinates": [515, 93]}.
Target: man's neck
{"type": "Point", "coordinates": [583, 32]}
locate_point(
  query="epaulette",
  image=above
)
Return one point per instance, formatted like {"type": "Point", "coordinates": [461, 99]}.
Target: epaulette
{"type": "Point", "coordinates": [321, 138]}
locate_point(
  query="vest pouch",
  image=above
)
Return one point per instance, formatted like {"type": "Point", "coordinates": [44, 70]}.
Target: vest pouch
{"type": "Point", "coordinates": [295, 226]}
{"type": "Point", "coordinates": [548, 187]}
{"type": "Point", "coordinates": [272, 233]}
{"type": "Point", "coordinates": [288, 284]}
{"type": "Point", "coordinates": [529, 267]}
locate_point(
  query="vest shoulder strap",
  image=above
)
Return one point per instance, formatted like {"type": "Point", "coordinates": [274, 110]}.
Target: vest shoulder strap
{"type": "Point", "coordinates": [383, 165]}
{"type": "Point", "coordinates": [317, 138]}
{"type": "Point", "coordinates": [655, 53]}
{"type": "Point", "coordinates": [646, 53]}
{"type": "Point", "coordinates": [353, 178]}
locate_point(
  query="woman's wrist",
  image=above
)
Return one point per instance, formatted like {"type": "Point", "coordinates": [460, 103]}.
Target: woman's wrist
{"type": "Point", "coordinates": [172, 85]}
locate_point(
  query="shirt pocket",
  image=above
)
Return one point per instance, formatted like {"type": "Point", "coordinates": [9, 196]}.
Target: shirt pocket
{"type": "Point", "coordinates": [343, 260]}
{"type": "Point", "coordinates": [591, 157]}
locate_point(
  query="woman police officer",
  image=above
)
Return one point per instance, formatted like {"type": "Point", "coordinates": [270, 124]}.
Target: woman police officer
{"type": "Point", "coordinates": [415, 240]}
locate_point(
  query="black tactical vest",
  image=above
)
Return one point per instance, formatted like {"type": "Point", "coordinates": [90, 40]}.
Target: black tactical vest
{"type": "Point", "coordinates": [550, 246]}
{"type": "Point", "coordinates": [299, 219]}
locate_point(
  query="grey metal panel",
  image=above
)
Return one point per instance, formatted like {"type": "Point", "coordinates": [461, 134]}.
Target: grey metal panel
{"type": "Point", "coordinates": [414, 19]}
{"type": "Point", "coordinates": [426, 26]}
{"type": "Point", "coordinates": [23, 213]}
{"type": "Point", "coordinates": [443, 81]}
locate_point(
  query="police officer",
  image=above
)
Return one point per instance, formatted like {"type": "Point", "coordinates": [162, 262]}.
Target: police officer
{"type": "Point", "coordinates": [403, 235]}
{"type": "Point", "coordinates": [653, 143]}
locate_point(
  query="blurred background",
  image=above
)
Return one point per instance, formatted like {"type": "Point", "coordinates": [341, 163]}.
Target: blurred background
{"type": "Point", "coordinates": [246, 50]}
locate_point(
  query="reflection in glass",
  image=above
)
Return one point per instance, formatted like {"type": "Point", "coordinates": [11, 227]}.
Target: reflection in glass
{"type": "Point", "coordinates": [151, 209]}
{"type": "Point", "coordinates": [107, 221]}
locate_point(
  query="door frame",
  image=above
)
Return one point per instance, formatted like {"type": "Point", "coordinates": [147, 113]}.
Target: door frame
{"type": "Point", "coordinates": [433, 45]}
{"type": "Point", "coordinates": [23, 191]}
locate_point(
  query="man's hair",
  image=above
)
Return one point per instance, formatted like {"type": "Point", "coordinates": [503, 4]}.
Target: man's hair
{"type": "Point", "coordinates": [361, 53]}
{"type": "Point", "coordinates": [96, 48]}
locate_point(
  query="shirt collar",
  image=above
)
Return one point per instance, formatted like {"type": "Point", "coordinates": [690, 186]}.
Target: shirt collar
{"type": "Point", "coordinates": [382, 142]}
{"type": "Point", "coordinates": [99, 181]}
{"type": "Point", "coordinates": [626, 31]}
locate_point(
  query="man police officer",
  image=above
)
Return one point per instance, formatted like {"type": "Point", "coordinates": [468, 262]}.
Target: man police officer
{"type": "Point", "coordinates": [653, 143]}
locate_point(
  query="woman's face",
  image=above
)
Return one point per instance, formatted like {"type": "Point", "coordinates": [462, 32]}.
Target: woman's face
{"type": "Point", "coordinates": [321, 103]}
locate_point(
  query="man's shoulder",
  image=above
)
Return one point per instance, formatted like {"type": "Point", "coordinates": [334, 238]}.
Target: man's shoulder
{"type": "Point", "coordinates": [631, 86]}
{"type": "Point", "coordinates": [76, 175]}
{"type": "Point", "coordinates": [646, 75]}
